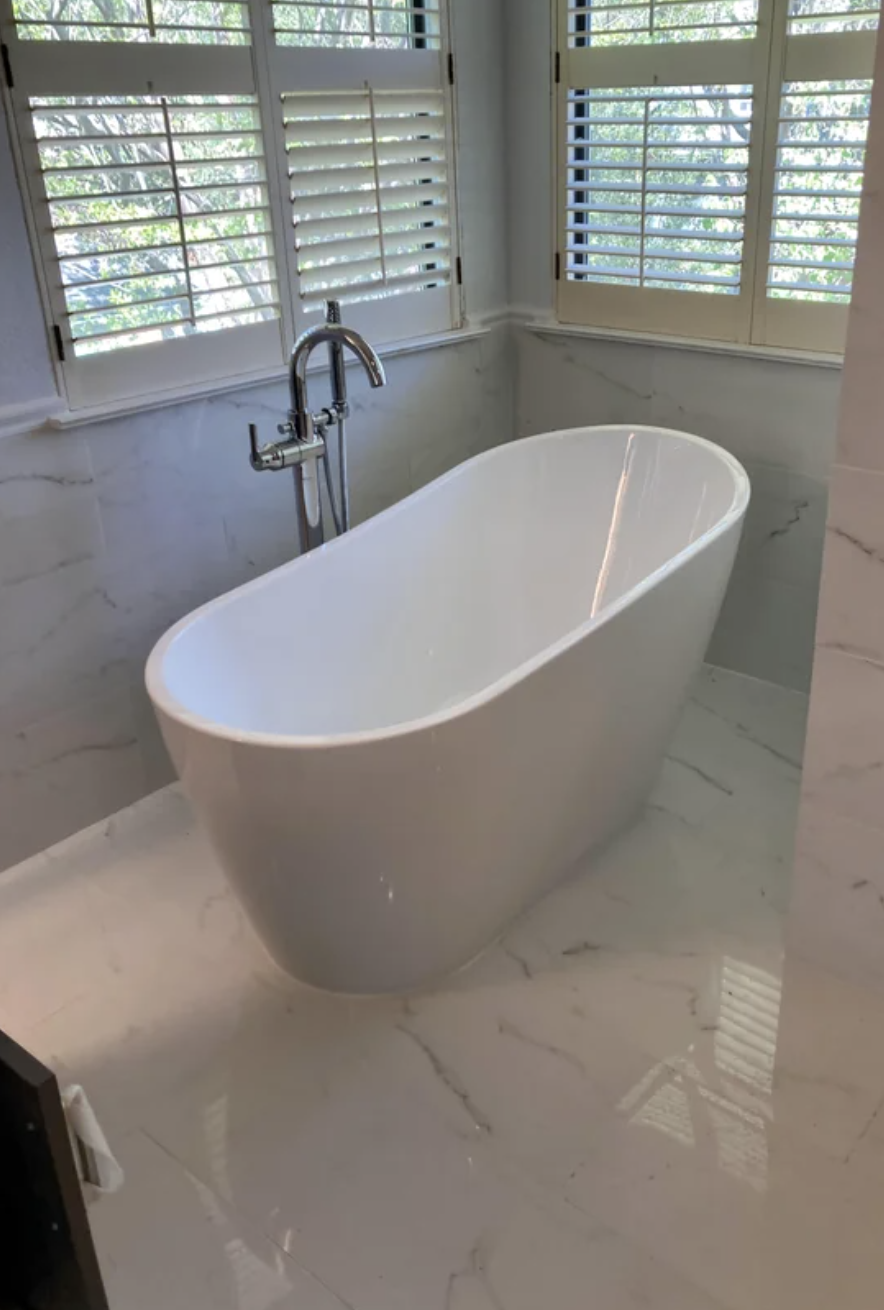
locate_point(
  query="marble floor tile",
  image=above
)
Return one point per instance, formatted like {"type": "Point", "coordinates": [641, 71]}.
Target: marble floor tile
{"type": "Point", "coordinates": [166, 1240]}
{"type": "Point", "coordinates": [631, 1100]}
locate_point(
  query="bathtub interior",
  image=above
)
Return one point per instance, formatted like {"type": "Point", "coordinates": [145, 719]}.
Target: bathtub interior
{"type": "Point", "coordinates": [453, 589]}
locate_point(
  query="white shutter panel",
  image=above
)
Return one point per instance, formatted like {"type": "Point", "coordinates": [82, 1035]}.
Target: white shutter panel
{"type": "Point", "coordinates": [159, 214]}
{"type": "Point", "coordinates": [365, 140]}
{"type": "Point", "coordinates": [209, 22]}
{"type": "Point", "coordinates": [369, 175]}
{"type": "Point", "coordinates": [656, 189]}
{"type": "Point", "coordinates": [655, 109]}
{"type": "Point", "coordinates": [817, 187]}
{"type": "Point", "coordinates": [358, 24]}
{"type": "Point", "coordinates": [142, 141]}
{"type": "Point", "coordinates": [815, 158]}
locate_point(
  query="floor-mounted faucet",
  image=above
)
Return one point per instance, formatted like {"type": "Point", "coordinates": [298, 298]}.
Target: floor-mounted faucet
{"type": "Point", "coordinates": [306, 432]}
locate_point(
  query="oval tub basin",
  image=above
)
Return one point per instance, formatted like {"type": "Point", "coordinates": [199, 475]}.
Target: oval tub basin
{"type": "Point", "coordinates": [401, 740]}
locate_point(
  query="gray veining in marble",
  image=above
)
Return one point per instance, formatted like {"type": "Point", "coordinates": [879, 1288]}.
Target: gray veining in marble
{"type": "Point", "coordinates": [778, 419]}
{"type": "Point", "coordinates": [617, 1105]}
{"type": "Point", "coordinates": [111, 533]}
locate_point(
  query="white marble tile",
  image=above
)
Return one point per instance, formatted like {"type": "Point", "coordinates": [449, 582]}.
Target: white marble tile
{"type": "Point", "coordinates": [763, 411]}
{"type": "Point", "coordinates": [155, 762]}
{"type": "Point", "coordinates": [67, 771]}
{"type": "Point", "coordinates": [785, 526]}
{"type": "Point", "coordinates": [579, 383]}
{"type": "Point", "coordinates": [48, 507]}
{"type": "Point", "coordinates": [202, 1256]}
{"type": "Point", "coordinates": [35, 544]}
{"type": "Point", "coordinates": [844, 769]}
{"type": "Point", "coordinates": [836, 918]}
{"type": "Point", "coordinates": [859, 437]}
{"type": "Point", "coordinates": [852, 595]}
{"type": "Point", "coordinates": [594, 1112]}
{"type": "Point", "coordinates": [766, 629]}
{"type": "Point", "coordinates": [168, 578]}
{"type": "Point", "coordinates": [94, 909]}
{"type": "Point", "coordinates": [57, 644]}
{"type": "Point", "coordinates": [40, 473]}
{"type": "Point", "coordinates": [830, 1060]}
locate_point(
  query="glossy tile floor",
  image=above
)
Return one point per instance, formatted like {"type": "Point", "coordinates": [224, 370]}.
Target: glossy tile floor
{"type": "Point", "coordinates": [618, 1106]}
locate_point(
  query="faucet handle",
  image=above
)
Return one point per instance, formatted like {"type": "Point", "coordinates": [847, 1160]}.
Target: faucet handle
{"type": "Point", "coordinates": [253, 445]}
{"type": "Point", "coordinates": [263, 458]}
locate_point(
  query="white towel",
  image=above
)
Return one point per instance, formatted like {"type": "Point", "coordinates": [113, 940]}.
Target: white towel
{"type": "Point", "coordinates": [99, 1170]}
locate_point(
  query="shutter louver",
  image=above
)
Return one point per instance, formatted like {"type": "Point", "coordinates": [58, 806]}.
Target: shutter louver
{"type": "Point", "coordinates": [613, 23]}
{"type": "Point", "coordinates": [370, 193]}
{"type": "Point", "coordinates": [358, 24]}
{"type": "Point", "coordinates": [814, 17]}
{"type": "Point", "coordinates": [819, 174]}
{"type": "Point", "coordinates": [199, 22]}
{"type": "Point", "coordinates": [160, 216]}
{"type": "Point", "coordinates": [656, 186]}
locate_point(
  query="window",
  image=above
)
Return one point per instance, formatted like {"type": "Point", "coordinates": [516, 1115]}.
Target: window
{"type": "Point", "coordinates": [203, 174]}
{"type": "Point", "coordinates": [710, 165]}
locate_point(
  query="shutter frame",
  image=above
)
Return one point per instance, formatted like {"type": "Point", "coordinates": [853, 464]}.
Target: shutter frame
{"type": "Point", "coordinates": [776, 56]}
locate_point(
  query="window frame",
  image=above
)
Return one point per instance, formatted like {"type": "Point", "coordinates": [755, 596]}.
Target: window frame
{"type": "Point", "coordinates": [765, 63]}
{"type": "Point", "coordinates": [260, 68]}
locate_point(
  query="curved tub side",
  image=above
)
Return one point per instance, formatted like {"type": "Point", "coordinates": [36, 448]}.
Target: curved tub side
{"type": "Point", "coordinates": [379, 866]}
{"type": "Point", "coordinates": [456, 592]}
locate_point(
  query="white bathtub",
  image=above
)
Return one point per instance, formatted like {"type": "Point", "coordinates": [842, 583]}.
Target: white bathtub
{"type": "Point", "coordinates": [399, 741]}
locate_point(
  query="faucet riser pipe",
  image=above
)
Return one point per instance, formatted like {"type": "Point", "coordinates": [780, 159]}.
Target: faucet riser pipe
{"type": "Point", "coordinates": [310, 529]}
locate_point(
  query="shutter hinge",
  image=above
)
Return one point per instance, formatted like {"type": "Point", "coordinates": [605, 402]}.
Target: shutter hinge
{"type": "Point", "coordinates": [59, 341]}
{"type": "Point", "coordinates": [7, 66]}
{"type": "Point", "coordinates": [450, 69]}
{"type": "Point", "coordinates": [458, 270]}
{"type": "Point", "coordinates": [558, 266]}
{"type": "Point", "coordinates": [558, 67]}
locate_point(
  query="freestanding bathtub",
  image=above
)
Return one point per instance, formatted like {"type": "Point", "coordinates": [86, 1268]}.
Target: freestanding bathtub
{"type": "Point", "coordinates": [399, 741]}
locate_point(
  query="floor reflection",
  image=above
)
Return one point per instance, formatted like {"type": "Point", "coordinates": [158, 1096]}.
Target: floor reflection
{"type": "Point", "coordinates": [731, 1105]}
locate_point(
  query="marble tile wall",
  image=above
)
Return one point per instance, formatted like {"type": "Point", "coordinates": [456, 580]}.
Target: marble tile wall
{"type": "Point", "coordinates": [779, 419]}
{"type": "Point", "coordinates": [837, 917]}
{"type": "Point", "coordinates": [110, 533]}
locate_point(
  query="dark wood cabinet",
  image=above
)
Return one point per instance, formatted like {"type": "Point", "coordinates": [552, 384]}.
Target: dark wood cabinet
{"type": "Point", "coordinates": [47, 1257]}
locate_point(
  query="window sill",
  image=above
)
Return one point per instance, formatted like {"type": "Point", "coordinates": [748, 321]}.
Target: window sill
{"type": "Point", "coordinates": [67, 418]}
{"type": "Point", "coordinates": [546, 327]}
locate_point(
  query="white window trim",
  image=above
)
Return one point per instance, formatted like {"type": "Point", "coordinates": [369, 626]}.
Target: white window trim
{"type": "Point", "coordinates": [542, 325]}
{"type": "Point", "coordinates": [52, 413]}
{"type": "Point", "coordinates": [752, 321]}
{"type": "Point", "coordinates": [193, 69]}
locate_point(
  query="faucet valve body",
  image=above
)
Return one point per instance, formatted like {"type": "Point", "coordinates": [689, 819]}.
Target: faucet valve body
{"type": "Point", "coordinates": [304, 432]}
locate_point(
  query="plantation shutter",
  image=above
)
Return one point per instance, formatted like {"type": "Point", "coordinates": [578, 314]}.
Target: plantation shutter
{"type": "Point", "coordinates": [364, 129]}
{"type": "Point", "coordinates": [814, 161]}
{"type": "Point", "coordinates": [141, 134]}
{"type": "Point", "coordinates": [657, 117]}
{"type": "Point", "coordinates": [710, 164]}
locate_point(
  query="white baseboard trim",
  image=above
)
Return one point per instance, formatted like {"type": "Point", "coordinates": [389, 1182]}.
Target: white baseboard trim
{"type": "Point", "coordinates": [29, 414]}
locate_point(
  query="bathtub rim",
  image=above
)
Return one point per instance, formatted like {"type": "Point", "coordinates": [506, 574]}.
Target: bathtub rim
{"type": "Point", "coordinates": [163, 699]}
